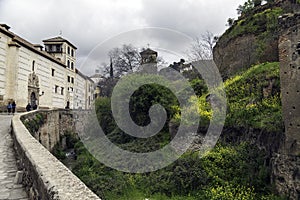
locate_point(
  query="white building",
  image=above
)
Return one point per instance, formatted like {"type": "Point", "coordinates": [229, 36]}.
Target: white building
{"type": "Point", "coordinates": [46, 78]}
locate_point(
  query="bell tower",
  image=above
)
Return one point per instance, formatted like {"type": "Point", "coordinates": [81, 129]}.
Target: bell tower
{"type": "Point", "coordinates": [148, 56]}
{"type": "Point", "coordinates": [63, 50]}
{"type": "Point", "coordinates": [149, 61]}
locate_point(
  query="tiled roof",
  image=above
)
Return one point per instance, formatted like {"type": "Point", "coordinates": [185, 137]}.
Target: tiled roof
{"type": "Point", "coordinates": [58, 39]}
{"type": "Point", "coordinates": [148, 51]}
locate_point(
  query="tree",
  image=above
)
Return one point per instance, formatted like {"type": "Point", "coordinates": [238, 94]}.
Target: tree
{"type": "Point", "coordinates": [106, 86]}
{"type": "Point", "coordinates": [202, 49]}
{"type": "Point", "coordinates": [230, 21]}
{"type": "Point", "coordinates": [257, 3]}
{"type": "Point", "coordinates": [111, 69]}
{"type": "Point", "coordinates": [123, 60]}
{"type": "Point", "coordinates": [248, 5]}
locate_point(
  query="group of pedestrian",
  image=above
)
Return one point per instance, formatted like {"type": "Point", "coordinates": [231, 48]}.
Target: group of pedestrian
{"type": "Point", "coordinates": [11, 107]}
{"type": "Point", "coordinates": [29, 107]}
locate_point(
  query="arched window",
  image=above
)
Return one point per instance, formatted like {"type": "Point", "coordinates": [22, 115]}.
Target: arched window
{"type": "Point", "coordinates": [72, 65]}
{"type": "Point", "coordinates": [68, 50]}
{"type": "Point", "coordinates": [72, 52]}
{"type": "Point", "coordinates": [68, 64]}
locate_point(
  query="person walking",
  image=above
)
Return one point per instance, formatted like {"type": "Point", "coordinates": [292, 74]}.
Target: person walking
{"type": "Point", "coordinates": [28, 107]}
{"type": "Point", "coordinates": [13, 107]}
{"type": "Point", "coordinates": [9, 107]}
{"type": "Point", "coordinates": [34, 107]}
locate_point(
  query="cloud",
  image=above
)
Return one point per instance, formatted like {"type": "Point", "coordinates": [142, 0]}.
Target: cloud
{"type": "Point", "coordinates": [88, 23]}
{"type": "Point", "coordinates": [192, 17]}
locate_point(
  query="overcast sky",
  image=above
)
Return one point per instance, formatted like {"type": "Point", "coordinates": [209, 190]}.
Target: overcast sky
{"type": "Point", "coordinates": [106, 23]}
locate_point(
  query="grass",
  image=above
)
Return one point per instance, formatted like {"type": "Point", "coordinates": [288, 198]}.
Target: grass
{"type": "Point", "coordinates": [265, 21]}
{"type": "Point", "coordinates": [247, 103]}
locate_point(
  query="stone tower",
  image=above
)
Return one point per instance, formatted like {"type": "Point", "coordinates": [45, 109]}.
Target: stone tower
{"type": "Point", "coordinates": [149, 61]}
{"type": "Point", "coordinates": [289, 56]}
{"type": "Point", "coordinates": [286, 166]}
{"type": "Point", "coordinates": [62, 49]}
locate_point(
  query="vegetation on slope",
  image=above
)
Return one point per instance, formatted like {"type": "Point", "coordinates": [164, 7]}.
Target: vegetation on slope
{"type": "Point", "coordinates": [251, 39]}
{"type": "Point", "coordinates": [235, 171]}
{"type": "Point", "coordinates": [253, 100]}
{"type": "Point", "coordinates": [228, 172]}
{"type": "Point", "coordinates": [265, 22]}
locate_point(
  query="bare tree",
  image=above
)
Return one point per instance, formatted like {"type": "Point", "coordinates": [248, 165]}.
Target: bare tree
{"type": "Point", "coordinates": [123, 60]}
{"type": "Point", "coordinates": [202, 49]}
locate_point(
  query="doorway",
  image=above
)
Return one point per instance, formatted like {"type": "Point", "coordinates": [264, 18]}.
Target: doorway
{"type": "Point", "coordinates": [33, 100]}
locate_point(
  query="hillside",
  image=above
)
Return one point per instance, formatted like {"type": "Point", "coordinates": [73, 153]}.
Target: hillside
{"type": "Point", "coordinates": [244, 162]}
{"type": "Point", "coordinates": [252, 38]}
{"type": "Point", "coordinates": [233, 170]}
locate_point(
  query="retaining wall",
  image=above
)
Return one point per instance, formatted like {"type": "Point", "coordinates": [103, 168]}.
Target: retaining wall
{"type": "Point", "coordinates": [44, 176]}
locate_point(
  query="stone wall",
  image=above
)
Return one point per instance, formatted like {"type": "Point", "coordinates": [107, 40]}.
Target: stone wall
{"type": "Point", "coordinates": [44, 176]}
{"type": "Point", "coordinates": [286, 164]}
{"type": "Point", "coordinates": [49, 126]}
{"type": "Point", "coordinates": [289, 48]}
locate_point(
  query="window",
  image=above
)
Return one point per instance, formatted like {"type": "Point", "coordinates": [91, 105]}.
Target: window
{"type": "Point", "coordinates": [33, 62]}
{"type": "Point", "coordinates": [56, 89]}
{"type": "Point", "coordinates": [68, 64]}
{"type": "Point", "coordinates": [72, 52]}
{"type": "Point", "coordinates": [52, 71]}
{"type": "Point", "coordinates": [62, 91]}
{"type": "Point", "coordinates": [72, 65]}
{"type": "Point", "coordinates": [49, 48]}
{"type": "Point", "coordinates": [58, 48]}
{"type": "Point", "coordinates": [68, 50]}
{"type": "Point", "coordinates": [72, 80]}
{"type": "Point", "coordinates": [69, 79]}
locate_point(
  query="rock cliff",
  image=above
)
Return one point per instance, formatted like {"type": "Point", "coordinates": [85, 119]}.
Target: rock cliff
{"type": "Point", "coordinates": [252, 39]}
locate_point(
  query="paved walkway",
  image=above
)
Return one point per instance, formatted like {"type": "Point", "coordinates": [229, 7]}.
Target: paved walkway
{"type": "Point", "coordinates": [8, 167]}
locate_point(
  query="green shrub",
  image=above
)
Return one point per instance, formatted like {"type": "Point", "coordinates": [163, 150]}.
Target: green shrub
{"type": "Point", "coordinates": [229, 192]}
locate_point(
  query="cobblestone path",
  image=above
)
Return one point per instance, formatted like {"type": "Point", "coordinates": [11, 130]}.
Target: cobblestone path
{"type": "Point", "coordinates": [8, 168]}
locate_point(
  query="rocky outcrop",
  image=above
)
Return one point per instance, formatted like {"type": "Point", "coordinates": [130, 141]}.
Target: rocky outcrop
{"type": "Point", "coordinates": [286, 175]}
{"type": "Point", "coordinates": [269, 142]}
{"type": "Point", "coordinates": [252, 39]}
{"type": "Point", "coordinates": [240, 53]}
{"type": "Point", "coordinates": [233, 54]}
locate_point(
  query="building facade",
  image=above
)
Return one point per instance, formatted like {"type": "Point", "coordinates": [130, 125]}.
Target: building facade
{"type": "Point", "coordinates": [43, 76]}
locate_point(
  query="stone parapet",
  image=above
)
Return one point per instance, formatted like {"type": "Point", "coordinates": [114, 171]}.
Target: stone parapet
{"type": "Point", "coordinates": [45, 177]}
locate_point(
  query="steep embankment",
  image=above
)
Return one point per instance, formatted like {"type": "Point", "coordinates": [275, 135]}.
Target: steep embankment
{"type": "Point", "coordinates": [253, 108]}
{"type": "Point", "coordinates": [251, 39]}
{"type": "Point", "coordinates": [231, 171]}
